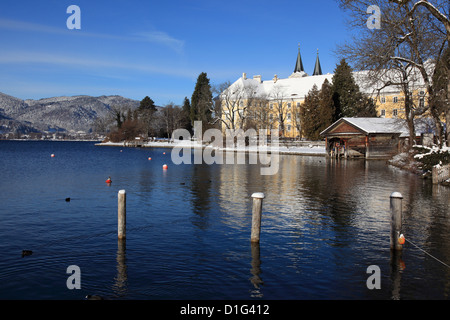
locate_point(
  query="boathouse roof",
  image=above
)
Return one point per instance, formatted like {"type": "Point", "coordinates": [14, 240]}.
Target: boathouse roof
{"type": "Point", "coordinates": [372, 125]}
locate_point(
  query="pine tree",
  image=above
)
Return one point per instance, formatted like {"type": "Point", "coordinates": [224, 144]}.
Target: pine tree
{"type": "Point", "coordinates": [146, 111]}
{"type": "Point", "coordinates": [326, 106]}
{"type": "Point", "coordinates": [310, 114]}
{"type": "Point", "coordinates": [186, 110]}
{"type": "Point", "coordinates": [348, 100]}
{"type": "Point", "coordinates": [147, 104]}
{"type": "Point", "coordinates": [317, 111]}
{"type": "Point", "coordinates": [201, 101]}
{"type": "Point", "coordinates": [344, 90]}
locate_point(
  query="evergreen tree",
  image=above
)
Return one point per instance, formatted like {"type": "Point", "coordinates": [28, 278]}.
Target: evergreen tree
{"type": "Point", "coordinates": [347, 98]}
{"type": "Point", "coordinates": [310, 114]}
{"type": "Point", "coordinates": [317, 111]}
{"type": "Point", "coordinates": [147, 104]}
{"type": "Point", "coordinates": [118, 117]}
{"type": "Point", "coordinates": [366, 106]}
{"type": "Point", "coordinates": [186, 113]}
{"type": "Point", "coordinates": [326, 106]}
{"type": "Point", "coordinates": [201, 101]}
{"type": "Point", "coordinates": [146, 111]}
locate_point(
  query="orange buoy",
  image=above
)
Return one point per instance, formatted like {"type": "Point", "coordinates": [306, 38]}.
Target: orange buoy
{"type": "Point", "coordinates": [401, 239]}
{"type": "Point", "coordinates": [165, 167]}
{"type": "Point", "coordinates": [164, 153]}
{"type": "Point", "coordinates": [149, 158]}
{"type": "Point", "coordinates": [52, 155]}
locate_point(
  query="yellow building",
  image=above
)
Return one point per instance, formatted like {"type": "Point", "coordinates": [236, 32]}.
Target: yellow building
{"type": "Point", "coordinates": [267, 104]}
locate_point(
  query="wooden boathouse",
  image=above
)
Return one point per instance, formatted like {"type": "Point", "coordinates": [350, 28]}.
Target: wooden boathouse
{"type": "Point", "coordinates": [370, 138]}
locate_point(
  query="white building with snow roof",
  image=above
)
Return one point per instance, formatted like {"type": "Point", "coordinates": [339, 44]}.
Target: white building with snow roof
{"type": "Point", "coordinates": [266, 104]}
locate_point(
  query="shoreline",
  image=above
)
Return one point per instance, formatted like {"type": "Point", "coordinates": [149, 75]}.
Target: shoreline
{"type": "Point", "coordinates": [305, 151]}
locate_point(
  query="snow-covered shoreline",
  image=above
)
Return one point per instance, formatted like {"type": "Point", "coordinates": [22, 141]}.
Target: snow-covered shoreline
{"type": "Point", "coordinates": [311, 150]}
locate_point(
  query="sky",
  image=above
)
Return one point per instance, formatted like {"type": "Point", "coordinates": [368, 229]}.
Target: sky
{"type": "Point", "coordinates": [158, 48]}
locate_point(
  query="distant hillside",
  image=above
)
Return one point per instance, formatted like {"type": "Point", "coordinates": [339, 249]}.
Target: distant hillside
{"type": "Point", "coordinates": [76, 113]}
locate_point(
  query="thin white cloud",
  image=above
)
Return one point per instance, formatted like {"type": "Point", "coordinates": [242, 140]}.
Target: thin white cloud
{"type": "Point", "coordinates": [21, 57]}
{"type": "Point", "coordinates": [159, 37]}
{"type": "Point", "coordinates": [162, 38]}
{"type": "Point", "coordinates": [9, 24]}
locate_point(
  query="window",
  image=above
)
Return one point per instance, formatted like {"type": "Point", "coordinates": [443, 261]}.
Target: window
{"type": "Point", "coordinates": [298, 104]}
{"type": "Point", "coordinates": [271, 106]}
{"type": "Point", "coordinates": [383, 100]}
{"type": "Point", "coordinates": [289, 105]}
{"type": "Point", "coordinates": [383, 112]}
{"type": "Point", "coordinates": [421, 102]}
{"type": "Point", "coordinates": [289, 127]}
{"type": "Point", "coordinates": [395, 99]}
{"type": "Point", "coordinates": [289, 116]}
{"type": "Point", "coordinates": [395, 112]}
{"type": "Point", "coordinates": [270, 116]}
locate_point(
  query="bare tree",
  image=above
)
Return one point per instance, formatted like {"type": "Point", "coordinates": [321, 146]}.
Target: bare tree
{"type": "Point", "coordinates": [440, 9]}
{"type": "Point", "coordinates": [278, 96]}
{"type": "Point", "coordinates": [260, 112]}
{"type": "Point", "coordinates": [397, 52]}
{"type": "Point", "coordinates": [235, 100]}
{"type": "Point", "coordinates": [172, 117]}
{"type": "Point", "coordinates": [297, 118]}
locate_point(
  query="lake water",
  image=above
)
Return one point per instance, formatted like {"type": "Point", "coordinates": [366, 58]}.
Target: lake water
{"type": "Point", "coordinates": [188, 228]}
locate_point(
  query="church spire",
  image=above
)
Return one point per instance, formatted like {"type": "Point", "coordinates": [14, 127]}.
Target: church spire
{"type": "Point", "coordinates": [299, 72]}
{"type": "Point", "coordinates": [298, 63]}
{"type": "Point", "coordinates": [317, 68]}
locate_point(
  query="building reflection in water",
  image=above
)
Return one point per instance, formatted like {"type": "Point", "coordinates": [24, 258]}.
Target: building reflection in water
{"type": "Point", "coordinates": [314, 203]}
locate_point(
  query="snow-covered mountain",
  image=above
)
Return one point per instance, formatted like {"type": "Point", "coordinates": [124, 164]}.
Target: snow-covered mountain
{"type": "Point", "coordinates": [76, 113]}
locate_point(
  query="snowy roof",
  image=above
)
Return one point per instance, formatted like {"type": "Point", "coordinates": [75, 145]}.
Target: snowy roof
{"type": "Point", "coordinates": [379, 125]}
{"type": "Point", "coordinates": [289, 88]}
{"type": "Point", "coordinates": [299, 84]}
{"type": "Point", "coordinates": [374, 125]}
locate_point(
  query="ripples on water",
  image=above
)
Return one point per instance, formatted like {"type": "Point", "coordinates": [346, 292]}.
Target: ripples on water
{"type": "Point", "coordinates": [188, 228]}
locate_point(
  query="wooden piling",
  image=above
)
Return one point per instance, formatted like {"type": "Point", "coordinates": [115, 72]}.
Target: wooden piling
{"type": "Point", "coordinates": [122, 210]}
{"type": "Point", "coordinates": [396, 220]}
{"type": "Point", "coordinates": [256, 216]}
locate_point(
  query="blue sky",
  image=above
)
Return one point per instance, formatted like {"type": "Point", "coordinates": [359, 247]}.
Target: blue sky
{"type": "Point", "coordinates": [158, 48]}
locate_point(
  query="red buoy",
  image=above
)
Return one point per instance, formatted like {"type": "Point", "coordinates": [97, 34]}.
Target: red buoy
{"type": "Point", "coordinates": [165, 167]}
{"type": "Point", "coordinates": [108, 180]}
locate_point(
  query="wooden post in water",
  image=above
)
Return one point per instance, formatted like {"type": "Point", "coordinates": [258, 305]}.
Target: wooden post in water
{"type": "Point", "coordinates": [122, 211]}
{"type": "Point", "coordinates": [256, 216]}
{"type": "Point", "coordinates": [396, 220]}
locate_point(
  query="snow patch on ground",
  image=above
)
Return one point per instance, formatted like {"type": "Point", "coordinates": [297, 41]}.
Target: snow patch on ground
{"type": "Point", "coordinates": [311, 149]}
